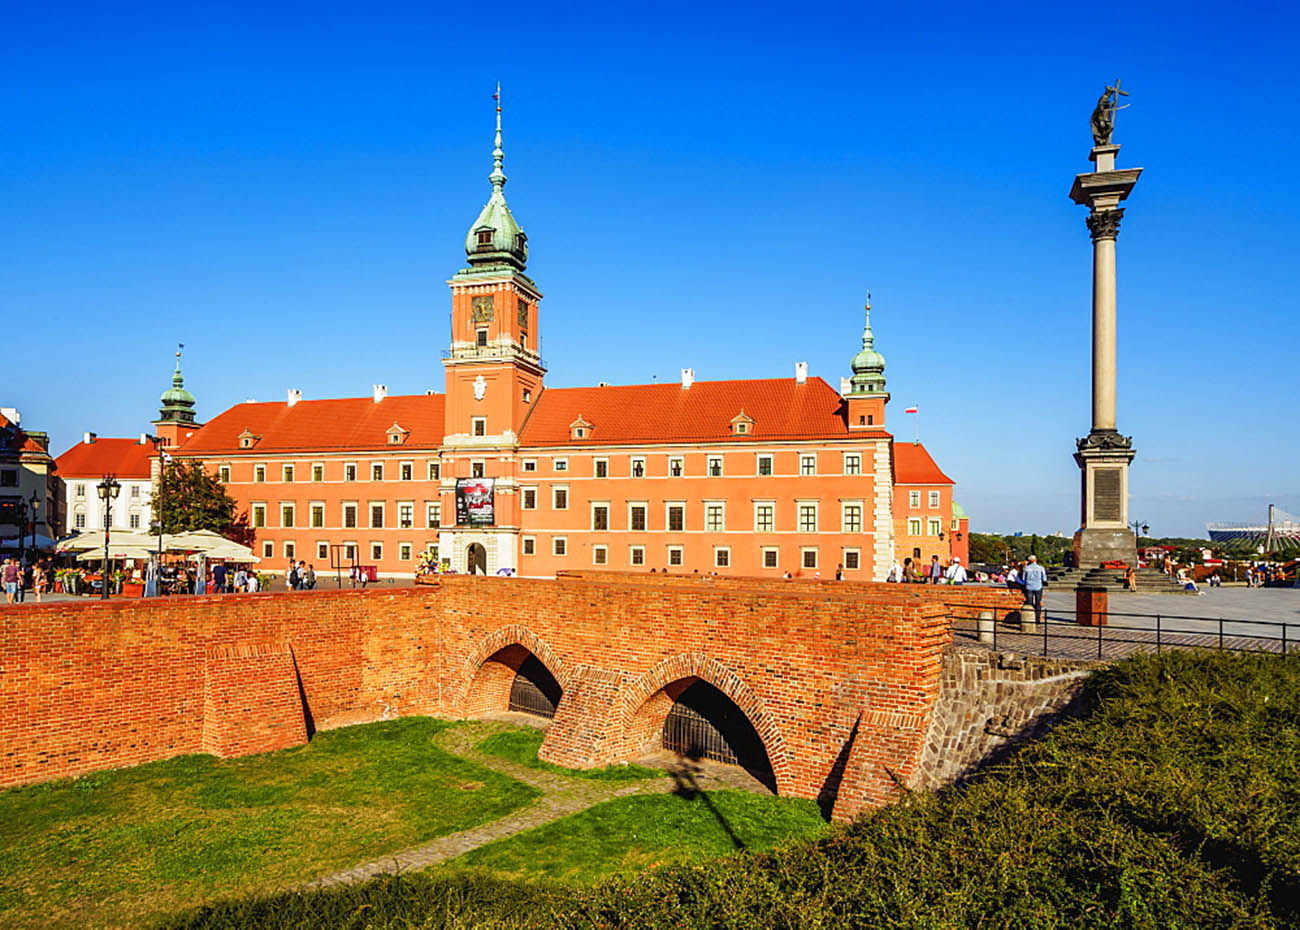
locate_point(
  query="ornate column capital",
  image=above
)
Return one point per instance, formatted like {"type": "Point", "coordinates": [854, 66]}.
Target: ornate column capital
{"type": "Point", "coordinates": [1104, 224]}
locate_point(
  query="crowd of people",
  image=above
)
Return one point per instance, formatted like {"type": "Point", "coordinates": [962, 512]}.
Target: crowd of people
{"type": "Point", "coordinates": [18, 579]}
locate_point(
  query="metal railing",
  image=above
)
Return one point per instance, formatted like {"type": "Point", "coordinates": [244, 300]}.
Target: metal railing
{"type": "Point", "coordinates": [1059, 634]}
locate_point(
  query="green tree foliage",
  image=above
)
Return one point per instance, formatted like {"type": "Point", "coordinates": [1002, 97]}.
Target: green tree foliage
{"type": "Point", "coordinates": [988, 547]}
{"type": "Point", "coordinates": [193, 499]}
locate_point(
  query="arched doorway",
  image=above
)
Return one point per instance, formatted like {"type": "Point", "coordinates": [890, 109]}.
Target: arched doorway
{"type": "Point", "coordinates": [476, 559]}
{"type": "Point", "coordinates": [514, 679]}
{"type": "Point", "coordinates": [534, 689]}
{"type": "Point", "coordinates": [703, 723]}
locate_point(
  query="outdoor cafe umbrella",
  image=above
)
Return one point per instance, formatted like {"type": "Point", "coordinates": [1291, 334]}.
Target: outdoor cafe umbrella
{"type": "Point", "coordinates": [115, 552]}
{"type": "Point", "coordinates": [95, 540]}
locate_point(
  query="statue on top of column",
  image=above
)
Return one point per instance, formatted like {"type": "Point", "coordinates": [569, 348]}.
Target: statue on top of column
{"type": "Point", "coordinates": [1103, 115]}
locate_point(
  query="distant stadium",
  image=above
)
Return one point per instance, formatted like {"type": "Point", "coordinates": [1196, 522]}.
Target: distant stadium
{"type": "Point", "coordinates": [1281, 527]}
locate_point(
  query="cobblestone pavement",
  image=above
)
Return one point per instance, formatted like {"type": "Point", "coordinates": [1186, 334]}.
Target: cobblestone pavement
{"type": "Point", "coordinates": [1244, 619]}
{"type": "Point", "coordinates": [562, 795]}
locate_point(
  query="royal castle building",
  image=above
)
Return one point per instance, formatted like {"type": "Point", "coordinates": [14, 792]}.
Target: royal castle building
{"type": "Point", "coordinates": [502, 473]}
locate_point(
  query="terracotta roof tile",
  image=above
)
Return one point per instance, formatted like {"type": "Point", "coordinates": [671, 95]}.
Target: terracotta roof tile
{"type": "Point", "coordinates": [338, 424]}
{"type": "Point", "coordinates": [123, 458]}
{"type": "Point", "coordinates": [913, 465]}
{"type": "Point", "coordinates": [781, 408]}
{"type": "Point", "coordinates": [17, 440]}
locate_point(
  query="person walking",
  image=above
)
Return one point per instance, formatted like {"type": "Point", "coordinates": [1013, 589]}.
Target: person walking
{"type": "Point", "coordinates": [309, 578]}
{"type": "Point", "coordinates": [219, 579]}
{"type": "Point", "coordinates": [39, 580]}
{"type": "Point", "coordinates": [12, 577]}
{"type": "Point", "coordinates": [909, 571]}
{"type": "Point", "coordinates": [1034, 578]}
{"type": "Point", "coordinates": [956, 574]}
{"type": "Point", "coordinates": [934, 571]}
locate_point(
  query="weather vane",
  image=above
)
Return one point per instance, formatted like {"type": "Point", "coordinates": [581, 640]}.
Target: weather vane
{"type": "Point", "coordinates": [1103, 115]}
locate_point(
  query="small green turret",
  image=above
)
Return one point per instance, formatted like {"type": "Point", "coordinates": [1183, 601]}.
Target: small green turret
{"type": "Point", "coordinates": [495, 238]}
{"type": "Point", "coordinates": [868, 365]}
{"type": "Point", "coordinates": [177, 403]}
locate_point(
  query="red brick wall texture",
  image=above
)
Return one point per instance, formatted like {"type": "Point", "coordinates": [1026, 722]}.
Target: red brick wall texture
{"type": "Point", "coordinates": [839, 680]}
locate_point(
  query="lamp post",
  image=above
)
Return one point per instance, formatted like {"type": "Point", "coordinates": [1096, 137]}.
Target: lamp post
{"type": "Point", "coordinates": [156, 505]}
{"type": "Point", "coordinates": [34, 506]}
{"type": "Point", "coordinates": [108, 490]}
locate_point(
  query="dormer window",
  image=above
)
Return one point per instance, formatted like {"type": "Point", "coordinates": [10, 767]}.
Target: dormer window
{"type": "Point", "coordinates": [742, 424]}
{"type": "Point", "coordinates": [485, 238]}
{"type": "Point", "coordinates": [579, 429]}
{"type": "Point", "coordinates": [397, 435]}
{"type": "Point", "coordinates": [248, 439]}
{"type": "Point", "coordinates": [521, 241]}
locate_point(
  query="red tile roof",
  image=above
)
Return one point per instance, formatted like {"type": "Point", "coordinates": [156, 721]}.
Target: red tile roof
{"type": "Point", "coordinates": [640, 413]}
{"type": "Point", "coordinates": [913, 465]}
{"type": "Point", "coordinates": [123, 458]}
{"type": "Point", "coordinates": [17, 440]}
{"type": "Point", "coordinates": [338, 424]}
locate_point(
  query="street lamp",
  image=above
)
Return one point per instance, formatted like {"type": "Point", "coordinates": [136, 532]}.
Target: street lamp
{"type": "Point", "coordinates": [156, 504]}
{"type": "Point", "coordinates": [108, 490]}
{"type": "Point", "coordinates": [34, 505]}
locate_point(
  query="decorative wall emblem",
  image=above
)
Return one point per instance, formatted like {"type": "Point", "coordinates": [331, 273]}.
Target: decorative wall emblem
{"type": "Point", "coordinates": [480, 387]}
{"type": "Point", "coordinates": [481, 309]}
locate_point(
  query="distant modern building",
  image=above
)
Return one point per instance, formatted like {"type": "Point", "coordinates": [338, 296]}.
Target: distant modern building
{"type": "Point", "coordinates": [29, 487]}
{"type": "Point", "coordinates": [503, 474]}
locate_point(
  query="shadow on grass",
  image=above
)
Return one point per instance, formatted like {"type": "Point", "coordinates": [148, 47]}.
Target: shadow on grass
{"type": "Point", "coordinates": [685, 776]}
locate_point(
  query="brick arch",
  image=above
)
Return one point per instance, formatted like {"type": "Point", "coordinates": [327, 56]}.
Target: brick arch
{"type": "Point", "coordinates": [488, 683]}
{"type": "Point", "coordinates": [650, 697]}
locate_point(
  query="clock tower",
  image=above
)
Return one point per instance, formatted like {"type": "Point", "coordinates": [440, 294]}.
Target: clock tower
{"type": "Point", "coordinates": [493, 377]}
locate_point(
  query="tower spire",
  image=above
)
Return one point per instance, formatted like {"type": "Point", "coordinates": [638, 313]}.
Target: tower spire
{"type": "Point", "coordinates": [498, 175]}
{"type": "Point", "coordinates": [495, 238]}
{"type": "Point", "coordinates": [868, 365]}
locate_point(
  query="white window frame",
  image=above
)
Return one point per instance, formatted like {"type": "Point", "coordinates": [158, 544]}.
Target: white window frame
{"type": "Point", "coordinates": [259, 474]}
{"type": "Point", "coordinates": [478, 468]}
{"type": "Point", "coordinates": [410, 517]}
{"type": "Point", "coordinates": [289, 549]}
{"type": "Point", "coordinates": [564, 489]}
{"type": "Point", "coordinates": [223, 475]}
{"type": "Point", "coordinates": [668, 510]}
{"type": "Point", "coordinates": [645, 516]}
{"type": "Point", "coordinates": [268, 549]}
{"type": "Point", "coordinates": [856, 555]}
{"type": "Point", "coordinates": [636, 467]}
{"type": "Point", "coordinates": [765, 459]}
{"type": "Point", "coordinates": [559, 546]}
{"type": "Point", "coordinates": [804, 552]}
{"type": "Point", "coordinates": [432, 515]}
{"type": "Point", "coordinates": [933, 501]}
{"type": "Point", "coordinates": [913, 526]}
{"type": "Point", "coordinates": [529, 465]}
{"type": "Point", "coordinates": [600, 555]}
{"type": "Point", "coordinates": [350, 550]}
{"type": "Point", "coordinates": [852, 463]}
{"type": "Point", "coordinates": [807, 464]}
{"type": "Point", "coordinates": [435, 471]}
{"type": "Point", "coordinates": [816, 515]}
{"type": "Point", "coordinates": [317, 468]}
{"type": "Point", "coordinates": [722, 557]}
{"type": "Point", "coordinates": [257, 514]}
{"type": "Point", "coordinates": [676, 556]}
{"type": "Point", "coordinates": [350, 468]}
{"type": "Point", "coordinates": [935, 527]}
{"type": "Point", "coordinates": [343, 514]}
{"type": "Point", "coordinates": [599, 505]}
{"type": "Point", "coordinates": [405, 551]}
{"type": "Point", "coordinates": [844, 516]}
{"type": "Point", "coordinates": [773, 551]}
{"type": "Point", "coordinates": [524, 493]}
{"type": "Point", "coordinates": [382, 471]}
{"type": "Point", "coordinates": [528, 545]}
{"type": "Point", "coordinates": [713, 466]}
{"type": "Point", "coordinates": [636, 556]}
{"type": "Point", "coordinates": [406, 471]}
{"type": "Point", "coordinates": [376, 544]}
{"type": "Point", "coordinates": [288, 473]}
{"type": "Point", "coordinates": [314, 508]}
{"type": "Point", "coordinates": [322, 549]}
{"type": "Point", "coordinates": [718, 509]}
{"type": "Point", "coordinates": [914, 499]}
{"type": "Point", "coordinates": [676, 466]}
{"type": "Point", "coordinates": [370, 514]}
{"type": "Point", "coordinates": [476, 424]}
{"type": "Point", "coordinates": [596, 467]}
{"type": "Point", "coordinates": [758, 506]}
{"type": "Point", "coordinates": [560, 464]}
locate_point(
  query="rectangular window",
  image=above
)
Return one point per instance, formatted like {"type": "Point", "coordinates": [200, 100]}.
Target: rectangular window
{"type": "Point", "coordinates": [600, 516]}
{"type": "Point", "coordinates": [404, 552]}
{"type": "Point", "coordinates": [914, 527]}
{"type": "Point", "coordinates": [715, 467]}
{"type": "Point", "coordinates": [764, 517]}
{"type": "Point", "coordinates": [675, 555]}
{"type": "Point", "coordinates": [376, 471]}
{"type": "Point", "coordinates": [914, 498]}
{"type": "Point", "coordinates": [406, 515]}
{"type": "Point", "coordinates": [478, 469]}
{"type": "Point", "coordinates": [432, 514]}
{"type": "Point", "coordinates": [223, 475]}
{"type": "Point", "coordinates": [599, 555]}
{"type": "Point", "coordinates": [638, 467]}
{"type": "Point", "coordinates": [480, 338]}
{"type": "Point", "coordinates": [529, 498]}
{"type": "Point", "coordinates": [286, 473]}
{"type": "Point", "coordinates": [407, 470]}
{"type": "Point", "coordinates": [561, 465]}
{"type": "Point", "coordinates": [765, 465]}
{"type": "Point", "coordinates": [807, 464]}
{"type": "Point", "coordinates": [9, 479]}
{"type": "Point", "coordinates": [376, 516]}
{"type": "Point", "coordinates": [560, 499]}
{"type": "Point", "coordinates": [80, 521]}
{"type": "Point", "coordinates": [259, 473]}
{"type": "Point", "coordinates": [480, 426]}
{"type": "Point", "coordinates": [376, 551]}
{"type": "Point", "coordinates": [714, 517]}
{"type": "Point", "coordinates": [322, 550]}
{"type": "Point", "coordinates": [601, 468]}
{"type": "Point", "coordinates": [350, 551]}
{"type": "Point", "coordinates": [809, 558]}
{"type": "Point", "coordinates": [676, 468]}
{"type": "Point", "coordinates": [259, 516]}
{"type": "Point", "coordinates": [530, 545]}
{"type": "Point", "coordinates": [808, 518]}
{"type": "Point", "coordinates": [936, 527]}
{"type": "Point", "coordinates": [676, 518]}
{"type": "Point", "coordinates": [934, 498]}
{"type": "Point", "coordinates": [290, 551]}
{"type": "Point", "coordinates": [81, 488]}
{"type": "Point", "coordinates": [852, 522]}
{"type": "Point", "coordinates": [770, 557]}
{"type": "Point", "coordinates": [318, 473]}
{"type": "Point", "coordinates": [268, 550]}
{"type": "Point", "coordinates": [134, 521]}
{"type": "Point", "coordinates": [349, 516]}
{"type": "Point", "coordinates": [135, 490]}
{"type": "Point", "coordinates": [636, 517]}
{"type": "Point", "coordinates": [530, 464]}
{"type": "Point", "coordinates": [559, 546]}
{"type": "Point", "coordinates": [636, 555]}
{"type": "Point", "coordinates": [852, 559]}
{"type": "Point", "coordinates": [852, 463]}
{"type": "Point", "coordinates": [317, 515]}
{"type": "Point", "coordinates": [286, 515]}
{"type": "Point", "coordinates": [350, 472]}
{"type": "Point", "coordinates": [721, 557]}
{"type": "Point", "coordinates": [435, 471]}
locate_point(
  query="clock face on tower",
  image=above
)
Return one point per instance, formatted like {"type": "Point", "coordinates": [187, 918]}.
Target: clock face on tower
{"type": "Point", "coordinates": [523, 313]}
{"type": "Point", "coordinates": [481, 309]}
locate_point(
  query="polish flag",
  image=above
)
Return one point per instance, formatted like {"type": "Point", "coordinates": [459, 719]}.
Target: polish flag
{"type": "Point", "coordinates": [911, 410]}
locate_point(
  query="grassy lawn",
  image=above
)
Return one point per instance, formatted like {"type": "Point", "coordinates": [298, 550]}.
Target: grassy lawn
{"type": "Point", "coordinates": [116, 848]}
{"type": "Point", "coordinates": [521, 745]}
{"type": "Point", "coordinates": [628, 835]}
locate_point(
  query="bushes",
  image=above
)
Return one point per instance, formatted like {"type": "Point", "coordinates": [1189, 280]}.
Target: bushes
{"type": "Point", "coordinates": [1174, 803]}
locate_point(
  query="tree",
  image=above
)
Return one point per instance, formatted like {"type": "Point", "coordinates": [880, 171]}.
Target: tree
{"type": "Point", "coordinates": [192, 499]}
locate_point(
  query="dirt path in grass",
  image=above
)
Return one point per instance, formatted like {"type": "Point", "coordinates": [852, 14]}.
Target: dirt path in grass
{"type": "Point", "coordinates": [562, 795]}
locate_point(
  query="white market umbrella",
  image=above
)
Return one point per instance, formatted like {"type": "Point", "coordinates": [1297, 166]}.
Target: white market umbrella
{"type": "Point", "coordinates": [94, 539]}
{"type": "Point", "coordinates": [115, 552]}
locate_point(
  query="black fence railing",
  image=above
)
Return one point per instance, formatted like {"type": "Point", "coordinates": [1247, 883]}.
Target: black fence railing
{"type": "Point", "coordinates": [1059, 634]}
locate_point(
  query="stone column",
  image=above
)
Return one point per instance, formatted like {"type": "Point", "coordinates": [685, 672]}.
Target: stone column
{"type": "Point", "coordinates": [1104, 454]}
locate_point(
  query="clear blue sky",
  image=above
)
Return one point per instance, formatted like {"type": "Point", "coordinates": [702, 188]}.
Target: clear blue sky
{"type": "Point", "coordinates": [286, 190]}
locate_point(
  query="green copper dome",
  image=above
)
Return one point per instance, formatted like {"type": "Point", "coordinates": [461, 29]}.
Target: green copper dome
{"type": "Point", "coordinates": [495, 238]}
{"type": "Point", "coordinates": [177, 403]}
{"type": "Point", "coordinates": [868, 365]}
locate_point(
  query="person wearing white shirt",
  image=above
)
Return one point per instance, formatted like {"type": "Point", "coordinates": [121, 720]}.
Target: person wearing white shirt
{"type": "Point", "coordinates": [956, 574]}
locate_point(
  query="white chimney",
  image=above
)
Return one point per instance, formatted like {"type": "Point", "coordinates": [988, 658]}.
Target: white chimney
{"type": "Point", "coordinates": [295, 395]}
{"type": "Point", "coordinates": [845, 385]}
{"type": "Point", "coordinates": [88, 437]}
{"type": "Point", "coordinates": [12, 415]}
{"type": "Point", "coordinates": [144, 439]}
{"type": "Point", "coordinates": [688, 378]}
{"type": "Point", "coordinates": [800, 372]}
{"type": "Point", "coordinates": [381, 391]}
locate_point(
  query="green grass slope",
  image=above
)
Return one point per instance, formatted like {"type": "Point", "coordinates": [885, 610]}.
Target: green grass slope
{"type": "Point", "coordinates": [1175, 803]}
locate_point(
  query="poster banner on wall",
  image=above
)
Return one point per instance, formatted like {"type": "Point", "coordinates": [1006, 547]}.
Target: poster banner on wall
{"type": "Point", "coordinates": [474, 502]}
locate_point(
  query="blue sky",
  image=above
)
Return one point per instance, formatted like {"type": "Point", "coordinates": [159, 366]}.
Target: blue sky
{"type": "Point", "coordinates": [285, 189]}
